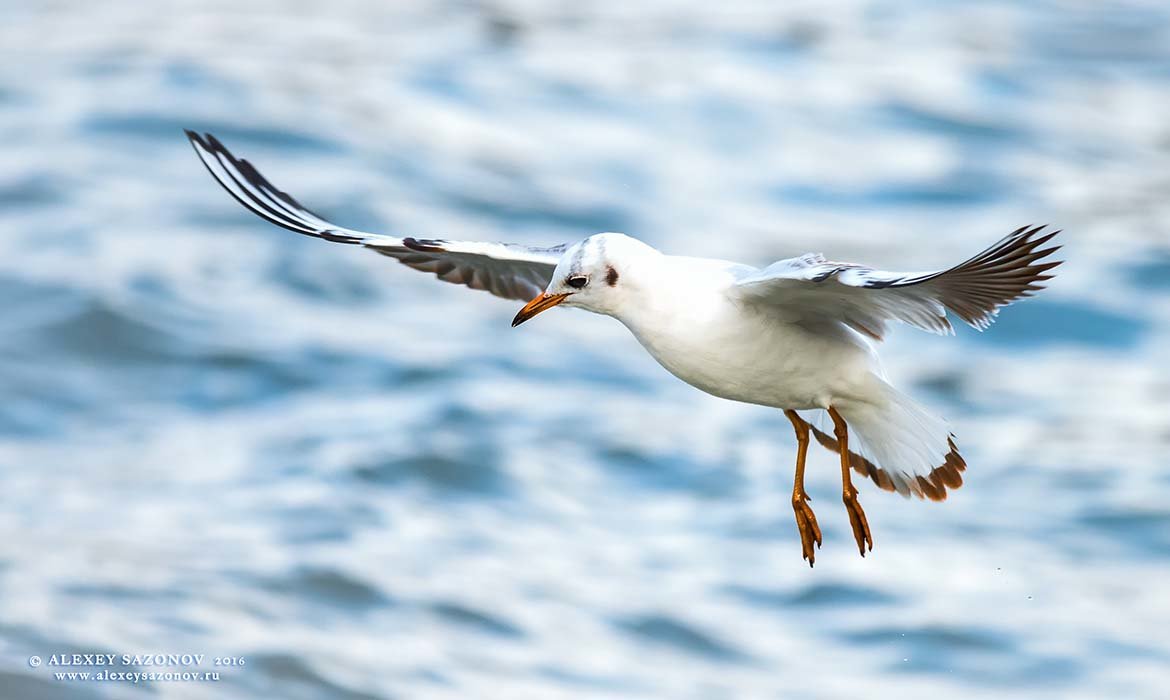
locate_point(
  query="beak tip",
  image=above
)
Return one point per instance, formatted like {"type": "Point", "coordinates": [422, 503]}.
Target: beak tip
{"type": "Point", "coordinates": [538, 304]}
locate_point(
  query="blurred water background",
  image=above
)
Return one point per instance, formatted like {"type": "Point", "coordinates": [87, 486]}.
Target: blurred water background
{"type": "Point", "coordinates": [218, 437]}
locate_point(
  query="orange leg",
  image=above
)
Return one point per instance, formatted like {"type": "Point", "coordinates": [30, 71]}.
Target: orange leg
{"type": "Point", "coordinates": [806, 522]}
{"type": "Point", "coordinates": [857, 519]}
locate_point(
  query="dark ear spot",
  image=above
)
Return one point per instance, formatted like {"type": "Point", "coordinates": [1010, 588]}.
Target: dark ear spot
{"type": "Point", "coordinates": [611, 276]}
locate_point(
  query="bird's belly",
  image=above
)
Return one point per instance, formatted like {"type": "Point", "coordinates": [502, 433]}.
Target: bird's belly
{"type": "Point", "coordinates": [769, 364]}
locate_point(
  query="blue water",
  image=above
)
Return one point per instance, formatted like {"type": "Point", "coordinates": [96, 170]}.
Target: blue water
{"type": "Point", "coordinates": [219, 438]}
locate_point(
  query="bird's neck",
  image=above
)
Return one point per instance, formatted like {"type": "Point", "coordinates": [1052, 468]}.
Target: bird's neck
{"type": "Point", "coordinates": [669, 294]}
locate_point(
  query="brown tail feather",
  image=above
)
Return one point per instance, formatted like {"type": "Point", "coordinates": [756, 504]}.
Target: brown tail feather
{"type": "Point", "coordinates": [934, 486]}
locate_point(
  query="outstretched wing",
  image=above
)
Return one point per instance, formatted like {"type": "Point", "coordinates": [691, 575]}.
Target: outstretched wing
{"type": "Point", "coordinates": [504, 269]}
{"type": "Point", "coordinates": [812, 289]}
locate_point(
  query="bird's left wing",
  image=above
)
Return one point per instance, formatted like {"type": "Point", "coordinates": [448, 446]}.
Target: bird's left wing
{"type": "Point", "coordinates": [812, 289]}
{"type": "Point", "coordinates": [504, 269]}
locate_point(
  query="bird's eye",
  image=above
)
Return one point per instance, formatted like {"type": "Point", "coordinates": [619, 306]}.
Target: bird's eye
{"type": "Point", "coordinates": [578, 281]}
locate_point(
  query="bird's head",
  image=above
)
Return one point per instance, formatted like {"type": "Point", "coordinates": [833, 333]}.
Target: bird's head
{"type": "Point", "coordinates": [595, 275]}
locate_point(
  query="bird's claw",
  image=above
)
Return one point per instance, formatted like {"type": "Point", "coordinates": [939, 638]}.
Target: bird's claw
{"type": "Point", "coordinates": [861, 533]}
{"type": "Point", "coordinates": [806, 522]}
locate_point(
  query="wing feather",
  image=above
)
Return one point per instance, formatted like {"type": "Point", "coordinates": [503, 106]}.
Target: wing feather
{"type": "Point", "coordinates": [504, 269]}
{"type": "Point", "coordinates": [814, 289]}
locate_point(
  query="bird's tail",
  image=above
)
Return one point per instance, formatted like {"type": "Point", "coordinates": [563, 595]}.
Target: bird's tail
{"type": "Point", "coordinates": [898, 444]}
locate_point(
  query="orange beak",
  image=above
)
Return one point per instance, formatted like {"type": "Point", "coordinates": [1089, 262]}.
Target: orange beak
{"type": "Point", "coordinates": [540, 303]}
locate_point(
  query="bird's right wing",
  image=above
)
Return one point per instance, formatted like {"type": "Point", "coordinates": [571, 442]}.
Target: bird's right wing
{"type": "Point", "coordinates": [811, 288]}
{"type": "Point", "coordinates": [504, 269]}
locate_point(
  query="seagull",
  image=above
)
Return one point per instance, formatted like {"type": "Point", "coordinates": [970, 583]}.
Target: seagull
{"type": "Point", "coordinates": [799, 335]}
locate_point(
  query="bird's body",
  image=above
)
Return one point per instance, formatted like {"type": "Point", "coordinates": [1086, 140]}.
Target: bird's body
{"type": "Point", "coordinates": [704, 336]}
{"type": "Point", "coordinates": [797, 335]}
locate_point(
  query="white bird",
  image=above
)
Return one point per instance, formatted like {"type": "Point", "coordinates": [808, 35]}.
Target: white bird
{"type": "Point", "coordinates": [797, 335]}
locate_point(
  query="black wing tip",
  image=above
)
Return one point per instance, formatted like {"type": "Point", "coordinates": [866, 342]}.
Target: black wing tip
{"type": "Point", "coordinates": [1014, 268]}
{"type": "Point", "coordinates": [1030, 232]}
{"type": "Point", "coordinates": [206, 140]}
{"type": "Point", "coordinates": [424, 245]}
{"type": "Point", "coordinates": [211, 143]}
{"type": "Point", "coordinates": [197, 142]}
{"type": "Point", "coordinates": [257, 194]}
{"type": "Point", "coordinates": [1027, 237]}
{"type": "Point", "coordinates": [208, 143]}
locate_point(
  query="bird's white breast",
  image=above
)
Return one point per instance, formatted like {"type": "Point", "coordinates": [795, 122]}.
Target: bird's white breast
{"type": "Point", "coordinates": [695, 329]}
